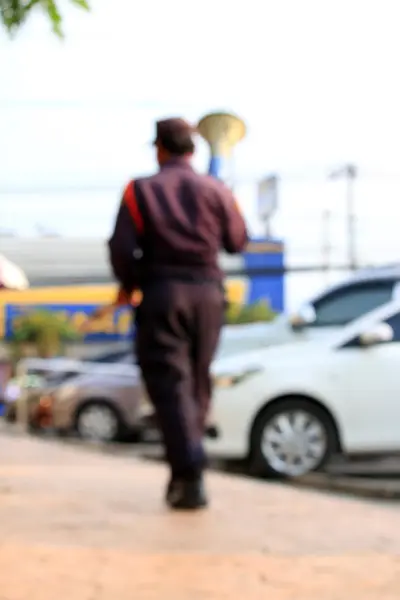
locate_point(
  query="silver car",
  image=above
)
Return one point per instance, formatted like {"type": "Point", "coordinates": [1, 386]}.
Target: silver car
{"type": "Point", "coordinates": [101, 398]}
{"type": "Point", "coordinates": [104, 405]}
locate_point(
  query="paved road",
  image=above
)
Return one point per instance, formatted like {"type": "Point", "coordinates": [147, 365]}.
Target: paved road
{"type": "Point", "coordinates": [87, 526]}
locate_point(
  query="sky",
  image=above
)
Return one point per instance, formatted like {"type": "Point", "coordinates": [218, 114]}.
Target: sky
{"type": "Point", "coordinates": [316, 82]}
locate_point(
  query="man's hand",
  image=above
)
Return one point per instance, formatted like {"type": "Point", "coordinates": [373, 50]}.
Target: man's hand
{"type": "Point", "coordinates": [99, 313]}
{"type": "Point", "coordinates": [122, 298]}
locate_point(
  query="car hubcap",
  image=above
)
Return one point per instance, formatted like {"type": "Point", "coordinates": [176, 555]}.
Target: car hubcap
{"type": "Point", "coordinates": [98, 423]}
{"type": "Point", "coordinates": [294, 443]}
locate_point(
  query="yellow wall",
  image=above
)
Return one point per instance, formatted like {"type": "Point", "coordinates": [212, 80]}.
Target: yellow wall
{"type": "Point", "coordinates": [79, 294]}
{"type": "Point", "coordinates": [90, 294]}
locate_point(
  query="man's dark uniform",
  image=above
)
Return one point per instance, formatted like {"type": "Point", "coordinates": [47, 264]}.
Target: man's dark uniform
{"type": "Point", "coordinates": [169, 231]}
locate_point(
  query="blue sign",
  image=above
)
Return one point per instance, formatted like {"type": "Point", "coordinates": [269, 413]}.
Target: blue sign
{"type": "Point", "coordinates": [115, 326]}
{"type": "Point", "coordinates": [266, 254]}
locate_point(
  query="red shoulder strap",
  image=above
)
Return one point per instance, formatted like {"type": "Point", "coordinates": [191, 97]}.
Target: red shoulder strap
{"type": "Point", "coordinates": [129, 198]}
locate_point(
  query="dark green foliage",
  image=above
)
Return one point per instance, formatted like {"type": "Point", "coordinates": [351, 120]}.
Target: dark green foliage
{"type": "Point", "coordinates": [14, 13]}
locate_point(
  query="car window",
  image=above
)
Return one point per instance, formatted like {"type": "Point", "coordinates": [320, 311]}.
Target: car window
{"type": "Point", "coordinates": [347, 304]}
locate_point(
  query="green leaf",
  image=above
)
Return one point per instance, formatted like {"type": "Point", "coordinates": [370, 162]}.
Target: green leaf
{"type": "Point", "coordinates": [82, 3]}
{"type": "Point", "coordinates": [55, 17]}
{"type": "Point", "coordinates": [14, 13]}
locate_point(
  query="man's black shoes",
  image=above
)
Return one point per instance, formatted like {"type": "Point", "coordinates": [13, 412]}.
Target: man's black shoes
{"type": "Point", "coordinates": [186, 495]}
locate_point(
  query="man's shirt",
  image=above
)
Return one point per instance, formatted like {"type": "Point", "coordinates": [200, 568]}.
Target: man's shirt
{"type": "Point", "coordinates": [173, 225]}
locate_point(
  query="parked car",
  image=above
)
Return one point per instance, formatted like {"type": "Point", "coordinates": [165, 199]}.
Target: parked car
{"type": "Point", "coordinates": [103, 406]}
{"type": "Point", "coordinates": [289, 409]}
{"type": "Point", "coordinates": [98, 397]}
{"type": "Point", "coordinates": [38, 373]}
{"type": "Point", "coordinates": [337, 306]}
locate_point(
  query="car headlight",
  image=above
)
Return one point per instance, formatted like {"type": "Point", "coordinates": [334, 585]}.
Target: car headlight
{"type": "Point", "coordinates": [227, 381]}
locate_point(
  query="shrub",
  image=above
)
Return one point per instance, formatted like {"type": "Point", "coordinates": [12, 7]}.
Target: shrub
{"type": "Point", "coordinates": [232, 313]}
{"type": "Point", "coordinates": [237, 314]}
{"type": "Point", "coordinates": [46, 331]}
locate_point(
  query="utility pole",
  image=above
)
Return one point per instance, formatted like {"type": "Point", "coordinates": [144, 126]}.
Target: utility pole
{"type": "Point", "coordinates": [349, 173]}
{"type": "Point", "coordinates": [267, 197]}
{"type": "Point", "coordinates": [326, 244]}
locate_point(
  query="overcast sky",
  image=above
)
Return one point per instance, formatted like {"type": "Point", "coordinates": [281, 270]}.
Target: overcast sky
{"type": "Point", "coordinates": [316, 82]}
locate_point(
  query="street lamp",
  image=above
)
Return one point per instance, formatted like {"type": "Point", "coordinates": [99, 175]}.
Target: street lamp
{"type": "Point", "coordinates": [267, 198]}
{"type": "Point", "coordinates": [349, 173]}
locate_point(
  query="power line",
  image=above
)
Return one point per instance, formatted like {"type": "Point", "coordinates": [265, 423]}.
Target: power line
{"type": "Point", "coordinates": [64, 189]}
{"type": "Point", "coordinates": [112, 187]}
{"type": "Point", "coordinates": [94, 103]}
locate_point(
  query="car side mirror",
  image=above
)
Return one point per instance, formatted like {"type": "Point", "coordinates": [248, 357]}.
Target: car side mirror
{"type": "Point", "coordinates": [305, 316]}
{"type": "Point", "coordinates": [378, 334]}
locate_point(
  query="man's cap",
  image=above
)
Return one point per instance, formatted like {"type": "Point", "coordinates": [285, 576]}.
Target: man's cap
{"type": "Point", "coordinates": [175, 134]}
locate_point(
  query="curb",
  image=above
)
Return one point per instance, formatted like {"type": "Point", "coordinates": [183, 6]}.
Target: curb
{"type": "Point", "coordinates": [381, 489]}
{"type": "Point", "coordinates": [137, 450]}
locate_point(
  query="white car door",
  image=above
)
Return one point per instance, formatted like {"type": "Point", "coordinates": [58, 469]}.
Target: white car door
{"type": "Point", "coordinates": [367, 384]}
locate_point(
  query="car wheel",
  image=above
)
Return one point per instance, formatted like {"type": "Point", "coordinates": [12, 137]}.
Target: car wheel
{"type": "Point", "coordinates": [292, 438]}
{"type": "Point", "coordinates": [98, 421]}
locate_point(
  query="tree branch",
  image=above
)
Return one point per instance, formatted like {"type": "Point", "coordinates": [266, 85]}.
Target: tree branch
{"type": "Point", "coordinates": [14, 13]}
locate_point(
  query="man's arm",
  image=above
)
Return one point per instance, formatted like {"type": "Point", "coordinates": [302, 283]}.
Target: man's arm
{"type": "Point", "coordinates": [124, 248]}
{"type": "Point", "coordinates": [234, 231]}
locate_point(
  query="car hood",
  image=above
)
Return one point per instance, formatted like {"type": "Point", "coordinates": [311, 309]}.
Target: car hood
{"type": "Point", "coordinates": [296, 353]}
{"type": "Point", "coordinates": [102, 380]}
{"type": "Point", "coordinates": [278, 332]}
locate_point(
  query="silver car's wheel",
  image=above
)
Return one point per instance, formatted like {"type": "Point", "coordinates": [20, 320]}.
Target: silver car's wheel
{"type": "Point", "coordinates": [293, 439]}
{"type": "Point", "coordinates": [97, 422]}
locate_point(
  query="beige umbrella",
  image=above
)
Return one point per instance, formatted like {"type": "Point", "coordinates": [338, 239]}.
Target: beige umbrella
{"type": "Point", "coordinates": [12, 277]}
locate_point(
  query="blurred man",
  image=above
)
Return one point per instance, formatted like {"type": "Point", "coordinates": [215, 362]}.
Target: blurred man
{"type": "Point", "coordinates": [168, 233]}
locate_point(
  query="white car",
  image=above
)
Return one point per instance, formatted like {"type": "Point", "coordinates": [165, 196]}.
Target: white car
{"type": "Point", "coordinates": [336, 306]}
{"type": "Point", "coordinates": [289, 409]}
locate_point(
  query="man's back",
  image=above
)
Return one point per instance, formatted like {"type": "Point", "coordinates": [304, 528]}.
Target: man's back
{"type": "Point", "coordinates": [187, 219]}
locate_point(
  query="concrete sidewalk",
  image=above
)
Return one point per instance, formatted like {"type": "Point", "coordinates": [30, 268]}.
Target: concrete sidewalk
{"type": "Point", "coordinates": [82, 526]}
